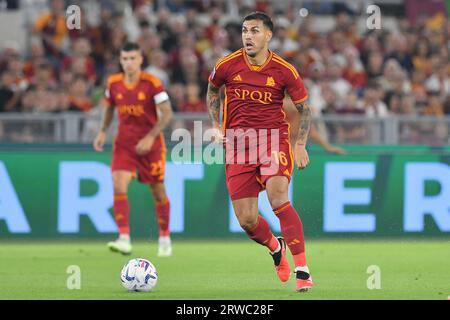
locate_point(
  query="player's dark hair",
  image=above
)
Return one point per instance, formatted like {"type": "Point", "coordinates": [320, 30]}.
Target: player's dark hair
{"type": "Point", "coordinates": [264, 17]}
{"type": "Point", "coordinates": [130, 46]}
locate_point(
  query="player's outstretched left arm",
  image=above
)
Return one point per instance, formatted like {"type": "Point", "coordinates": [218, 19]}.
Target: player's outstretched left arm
{"type": "Point", "coordinates": [323, 141]}
{"type": "Point", "coordinates": [301, 155]}
{"type": "Point", "coordinates": [164, 117]}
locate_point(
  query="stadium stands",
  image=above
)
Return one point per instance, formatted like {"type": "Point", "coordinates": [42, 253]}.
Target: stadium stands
{"type": "Point", "coordinates": [390, 85]}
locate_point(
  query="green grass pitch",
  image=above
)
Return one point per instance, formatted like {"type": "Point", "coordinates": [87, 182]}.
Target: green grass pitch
{"type": "Point", "coordinates": [410, 269]}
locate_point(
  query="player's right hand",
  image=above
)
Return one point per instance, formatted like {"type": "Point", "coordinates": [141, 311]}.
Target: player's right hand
{"type": "Point", "coordinates": [99, 141]}
{"type": "Point", "coordinates": [218, 135]}
{"type": "Point", "coordinates": [336, 150]}
{"type": "Point", "coordinates": [301, 156]}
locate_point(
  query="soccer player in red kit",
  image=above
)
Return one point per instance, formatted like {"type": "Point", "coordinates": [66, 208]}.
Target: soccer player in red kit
{"type": "Point", "coordinates": [139, 150]}
{"type": "Point", "coordinates": [256, 81]}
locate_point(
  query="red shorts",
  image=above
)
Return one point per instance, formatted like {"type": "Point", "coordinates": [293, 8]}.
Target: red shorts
{"type": "Point", "coordinates": [248, 180]}
{"type": "Point", "coordinates": [149, 168]}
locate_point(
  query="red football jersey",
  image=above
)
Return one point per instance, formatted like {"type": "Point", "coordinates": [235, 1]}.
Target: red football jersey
{"type": "Point", "coordinates": [254, 94]}
{"type": "Point", "coordinates": [136, 106]}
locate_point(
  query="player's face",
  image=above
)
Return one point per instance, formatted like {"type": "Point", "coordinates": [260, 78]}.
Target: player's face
{"type": "Point", "coordinates": [131, 61]}
{"type": "Point", "coordinates": [255, 37]}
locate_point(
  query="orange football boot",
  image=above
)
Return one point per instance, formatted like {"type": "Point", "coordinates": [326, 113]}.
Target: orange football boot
{"type": "Point", "coordinates": [281, 263]}
{"type": "Point", "coordinates": [303, 281]}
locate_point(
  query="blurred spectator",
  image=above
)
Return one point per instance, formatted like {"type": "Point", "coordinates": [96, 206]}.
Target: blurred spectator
{"type": "Point", "coordinates": [399, 87]}
{"type": "Point", "coordinates": [193, 102]}
{"type": "Point", "coordinates": [62, 96]}
{"type": "Point", "coordinates": [327, 98]}
{"type": "Point", "coordinates": [391, 69]}
{"type": "Point", "coordinates": [100, 36]}
{"type": "Point", "coordinates": [354, 72]}
{"type": "Point", "coordinates": [407, 106]}
{"type": "Point", "coordinates": [434, 133]}
{"type": "Point", "coordinates": [418, 81]}
{"type": "Point", "coordinates": [338, 43]}
{"type": "Point", "coordinates": [9, 50]}
{"type": "Point", "coordinates": [44, 77]}
{"type": "Point", "coordinates": [397, 48]}
{"type": "Point", "coordinates": [66, 78]}
{"type": "Point", "coordinates": [341, 86]}
{"type": "Point", "coordinates": [79, 99]}
{"type": "Point", "coordinates": [158, 66]}
{"type": "Point", "coordinates": [351, 132]}
{"type": "Point", "coordinates": [370, 44]}
{"type": "Point", "coordinates": [373, 105]}
{"type": "Point", "coordinates": [51, 27]}
{"type": "Point", "coordinates": [117, 37]}
{"type": "Point", "coordinates": [421, 59]}
{"type": "Point", "coordinates": [80, 62]}
{"type": "Point", "coordinates": [86, 30]}
{"type": "Point", "coordinates": [435, 106]}
{"type": "Point", "coordinates": [36, 57]}
{"type": "Point", "coordinates": [447, 107]}
{"type": "Point", "coordinates": [409, 131]}
{"type": "Point", "coordinates": [314, 85]}
{"type": "Point", "coordinates": [9, 93]}
{"type": "Point", "coordinates": [39, 99]}
{"type": "Point", "coordinates": [188, 69]}
{"type": "Point", "coordinates": [15, 67]}
{"type": "Point", "coordinates": [330, 98]}
{"type": "Point", "coordinates": [148, 41]}
{"type": "Point", "coordinates": [375, 66]}
{"type": "Point", "coordinates": [176, 6]}
{"type": "Point", "coordinates": [214, 26]}
{"type": "Point", "coordinates": [164, 30]}
{"type": "Point", "coordinates": [191, 19]}
{"type": "Point", "coordinates": [281, 42]}
{"type": "Point", "coordinates": [186, 45]}
{"type": "Point", "coordinates": [177, 93]}
{"type": "Point", "coordinates": [440, 80]}
{"type": "Point", "coordinates": [27, 103]}
{"type": "Point", "coordinates": [217, 50]}
{"type": "Point", "coordinates": [234, 36]}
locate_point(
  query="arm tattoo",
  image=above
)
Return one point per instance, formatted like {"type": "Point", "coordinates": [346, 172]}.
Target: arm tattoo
{"type": "Point", "coordinates": [305, 122]}
{"type": "Point", "coordinates": [213, 103]}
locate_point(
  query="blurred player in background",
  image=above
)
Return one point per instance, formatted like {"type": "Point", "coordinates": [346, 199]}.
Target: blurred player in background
{"type": "Point", "coordinates": [139, 150]}
{"type": "Point", "coordinates": [293, 118]}
{"type": "Point", "coordinates": [256, 80]}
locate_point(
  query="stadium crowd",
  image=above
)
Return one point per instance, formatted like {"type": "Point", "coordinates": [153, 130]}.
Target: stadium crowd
{"type": "Point", "coordinates": [347, 71]}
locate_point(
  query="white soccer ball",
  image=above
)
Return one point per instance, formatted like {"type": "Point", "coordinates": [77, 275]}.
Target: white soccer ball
{"type": "Point", "coordinates": [139, 275]}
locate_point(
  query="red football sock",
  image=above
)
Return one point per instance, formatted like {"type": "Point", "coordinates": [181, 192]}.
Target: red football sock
{"type": "Point", "coordinates": [300, 259]}
{"type": "Point", "coordinates": [261, 234]}
{"type": "Point", "coordinates": [122, 213]}
{"type": "Point", "coordinates": [292, 230]}
{"type": "Point", "coordinates": [163, 217]}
